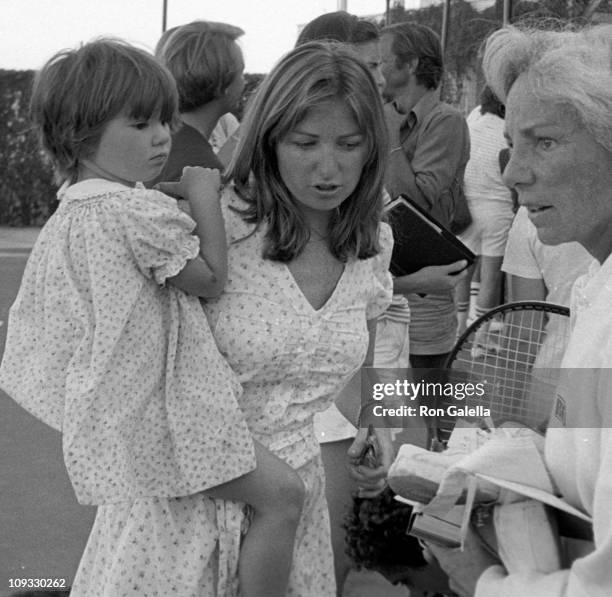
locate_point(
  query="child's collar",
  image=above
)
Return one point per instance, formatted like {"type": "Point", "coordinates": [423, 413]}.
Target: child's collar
{"type": "Point", "coordinates": [98, 185]}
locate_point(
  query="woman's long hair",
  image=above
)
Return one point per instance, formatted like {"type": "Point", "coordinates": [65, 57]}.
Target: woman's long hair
{"type": "Point", "coordinates": [307, 77]}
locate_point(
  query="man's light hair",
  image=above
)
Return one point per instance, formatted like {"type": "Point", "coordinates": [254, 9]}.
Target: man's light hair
{"type": "Point", "coordinates": [202, 59]}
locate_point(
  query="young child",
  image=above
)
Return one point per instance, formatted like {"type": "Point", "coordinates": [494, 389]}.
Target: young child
{"type": "Point", "coordinates": [108, 343]}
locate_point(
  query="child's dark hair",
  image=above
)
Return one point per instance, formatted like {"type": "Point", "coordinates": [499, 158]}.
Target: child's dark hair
{"type": "Point", "coordinates": [376, 534]}
{"type": "Point", "coordinates": [78, 91]}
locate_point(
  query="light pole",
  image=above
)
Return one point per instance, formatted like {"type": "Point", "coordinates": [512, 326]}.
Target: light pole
{"type": "Point", "coordinates": [507, 13]}
{"type": "Point", "coordinates": [164, 15]}
{"type": "Point", "coordinates": [445, 19]}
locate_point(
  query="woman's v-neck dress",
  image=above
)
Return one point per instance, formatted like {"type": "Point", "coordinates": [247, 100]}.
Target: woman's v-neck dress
{"type": "Point", "coordinates": [292, 360]}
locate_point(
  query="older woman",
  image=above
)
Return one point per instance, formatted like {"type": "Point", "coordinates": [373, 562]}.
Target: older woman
{"type": "Point", "coordinates": [557, 88]}
{"type": "Point", "coordinates": [308, 260]}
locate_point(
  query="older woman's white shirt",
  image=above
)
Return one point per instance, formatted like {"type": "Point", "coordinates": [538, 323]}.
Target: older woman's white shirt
{"type": "Point", "coordinates": [579, 456]}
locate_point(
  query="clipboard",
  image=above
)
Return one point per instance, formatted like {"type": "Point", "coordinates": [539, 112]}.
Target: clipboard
{"type": "Point", "coordinates": [420, 240]}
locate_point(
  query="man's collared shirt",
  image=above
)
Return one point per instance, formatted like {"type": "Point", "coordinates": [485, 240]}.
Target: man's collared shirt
{"type": "Point", "coordinates": [435, 139]}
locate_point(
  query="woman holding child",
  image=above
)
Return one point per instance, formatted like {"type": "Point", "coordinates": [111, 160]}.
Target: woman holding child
{"type": "Point", "coordinates": [106, 344]}
{"type": "Point", "coordinates": [308, 260]}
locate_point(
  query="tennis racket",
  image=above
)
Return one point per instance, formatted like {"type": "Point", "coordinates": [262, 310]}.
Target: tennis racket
{"type": "Point", "coordinates": [514, 351]}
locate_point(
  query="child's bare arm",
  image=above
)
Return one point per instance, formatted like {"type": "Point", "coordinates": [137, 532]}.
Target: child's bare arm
{"type": "Point", "coordinates": [205, 275]}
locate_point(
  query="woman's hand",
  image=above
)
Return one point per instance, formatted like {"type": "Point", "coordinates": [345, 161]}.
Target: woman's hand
{"type": "Point", "coordinates": [433, 278]}
{"type": "Point", "coordinates": [371, 480]}
{"type": "Point", "coordinates": [464, 567]}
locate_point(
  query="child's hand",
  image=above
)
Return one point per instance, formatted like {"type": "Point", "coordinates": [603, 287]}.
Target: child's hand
{"type": "Point", "coordinates": [196, 183]}
{"type": "Point", "coordinates": [200, 182]}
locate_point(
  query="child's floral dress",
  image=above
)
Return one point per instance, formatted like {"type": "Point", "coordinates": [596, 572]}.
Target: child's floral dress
{"type": "Point", "coordinates": [101, 348]}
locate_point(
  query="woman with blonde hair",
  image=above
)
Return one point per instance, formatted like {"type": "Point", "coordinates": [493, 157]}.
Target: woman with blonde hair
{"type": "Point", "coordinates": [557, 88]}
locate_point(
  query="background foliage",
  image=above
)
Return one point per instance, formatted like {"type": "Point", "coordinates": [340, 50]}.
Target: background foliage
{"type": "Point", "coordinates": [468, 28]}
{"type": "Point", "coordinates": [27, 189]}
{"type": "Point", "coordinates": [26, 179]}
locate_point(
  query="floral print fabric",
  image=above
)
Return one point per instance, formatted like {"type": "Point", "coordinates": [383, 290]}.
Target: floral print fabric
{"type": "Point", "coordinates": [125, 366]}
{"type": "Point", "coordinates": [292, 360]}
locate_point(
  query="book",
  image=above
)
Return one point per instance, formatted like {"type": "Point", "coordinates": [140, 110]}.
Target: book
{"type": "Point", "coordinates": [416, 474]}
{"type": "Point", "coordinates": [420, 240]}
{"type": "Point", "coordinates": [511, 466]}
{"type": "Point", "coordinates": [442, 530]}
{"type": "Point", "coordinates": [571, 521]}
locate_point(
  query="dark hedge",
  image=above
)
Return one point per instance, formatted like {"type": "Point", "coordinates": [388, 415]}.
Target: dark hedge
{"type": "Point", "coordinates": [27, 189]}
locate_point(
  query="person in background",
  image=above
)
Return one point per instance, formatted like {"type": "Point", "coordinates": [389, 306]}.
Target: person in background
{"type": "Point", "coordinates": [490, 204]}
{"type": "Point", "coordinates": [360, 34]}
{"type": "Point", "coordinates": [377, 540]}
{"type": "Point", "coordinates": [557, 89]}
{"type": "Point", "coordinates": [227, 124]}
{"type": "Point", "coordinates": [430, 148]}
{"type": "Point", "coordinates": [539, 272]}
{"type": "Point", "coordinates": [207, 65]}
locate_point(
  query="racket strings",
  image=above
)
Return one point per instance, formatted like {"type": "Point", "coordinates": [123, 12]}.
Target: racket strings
{"type": "Point", "coordinates": [515, 353]}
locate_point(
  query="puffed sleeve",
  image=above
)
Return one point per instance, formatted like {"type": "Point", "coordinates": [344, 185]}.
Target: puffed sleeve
{"type": "Point", "coordinates": [382, 289]}
{"type": "Point", "coordinates": [126, 369]}
{"type": "Point", "coordinates": [159, 234]}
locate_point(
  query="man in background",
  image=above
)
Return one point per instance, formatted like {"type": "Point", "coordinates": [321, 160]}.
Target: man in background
{"type": "Point", "coordinates": [430, 147]}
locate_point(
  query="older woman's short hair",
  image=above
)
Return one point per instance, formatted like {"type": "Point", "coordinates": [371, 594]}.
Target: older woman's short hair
{"type": "Point", "coordinates": [411, 40]}
{"type": "Point", "coordinates": [571, 68]}
{"type": "Point", "coordinates": [307, 77]}
{"type": "Point", "coordinates": [203, 59]}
